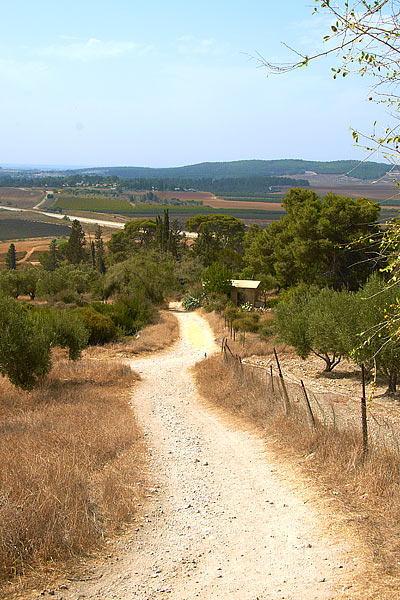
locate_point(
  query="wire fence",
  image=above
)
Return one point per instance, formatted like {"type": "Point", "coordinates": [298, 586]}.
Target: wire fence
{"type": "Point", "coordinates": [319, 409]}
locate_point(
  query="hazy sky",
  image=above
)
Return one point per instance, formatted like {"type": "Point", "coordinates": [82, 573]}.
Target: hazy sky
{"type": "Point", "coordinates": [100, 82]}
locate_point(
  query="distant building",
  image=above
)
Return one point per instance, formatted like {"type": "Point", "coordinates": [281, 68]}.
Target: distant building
{"type": "Point", "coordinates": [245, 290]}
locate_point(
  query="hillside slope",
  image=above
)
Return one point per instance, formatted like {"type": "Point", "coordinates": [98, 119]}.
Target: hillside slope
{"type": "Point", "coordinates": [251, 168]}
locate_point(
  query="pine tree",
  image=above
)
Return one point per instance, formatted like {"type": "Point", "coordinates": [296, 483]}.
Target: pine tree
{"type": "Point", "coordinates": [174, 238]}
{"type": "Point", "coordinates": [166, 230]}
{"type": "Point", "coordinates": [93, 254]}
{"type": "Point", "coordinates": [11, 262]}
{"type": "Point", "coordinates": [163, 232]}
{"type": "Point", "coordinates": [53, 261]}
{"type": "Point", "coordinates": [75, 250]}
{"type": "Point", "coordinates": [100, 253]}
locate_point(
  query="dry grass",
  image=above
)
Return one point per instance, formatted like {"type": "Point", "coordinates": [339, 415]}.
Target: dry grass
{"type": "Point", "coordinates": [71, 464]}
{"type": "Point", "coordinates": [162, 334]}
{"type": "Point", "coordinates": [367, 492]}
{"type": "Point", "coordinates": [248, 345]}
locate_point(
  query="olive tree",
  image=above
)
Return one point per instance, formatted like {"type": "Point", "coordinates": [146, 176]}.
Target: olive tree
{"type": "Point", "coordinates": [323, 322]}
{"type": "Point", "coordinates": [27, 338]}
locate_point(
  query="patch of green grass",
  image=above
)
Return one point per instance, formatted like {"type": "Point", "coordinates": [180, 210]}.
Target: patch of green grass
{"type": "Point", "coordinates": [93, 203]}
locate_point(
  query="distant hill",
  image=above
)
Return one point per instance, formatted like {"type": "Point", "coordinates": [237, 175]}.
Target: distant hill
{"type": "Point", "coordinates": [250, 168]}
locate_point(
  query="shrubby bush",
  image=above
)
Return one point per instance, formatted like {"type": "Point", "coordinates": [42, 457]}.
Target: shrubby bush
{"type": "Point", "coordinates": [272, 302]}
{"type": "Point", "coordinates": [247, 322]}
{"type": "Point", "coordinates": [68, 282]}
{"type": "Point", "coordinates": [65, 330]}
{"type": "Point", "coordinates": [132, 313]}
{"type": "Point", "coordinates": [191, 302]}
{"type": "Point", "coordinates": [101, 328]}
{"type": "Point", "coordinates": [215, 301]}
{"type": "Point", "coordinates": [266, 329]}
{"type": "Point", "coordinates": [128, 313]}
{"type": "Point", "coordinates": [145, 274]}
{"type": "Point", "coordinates": [27, 337]}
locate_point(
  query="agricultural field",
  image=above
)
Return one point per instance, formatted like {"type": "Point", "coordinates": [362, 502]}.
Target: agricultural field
{"type": "Point", "coordinates": [18, 228]}
{"type": "Point", "coordinates": [254, 198]}
{"type": "Point", "coordinates": [98, 203]}
{"type": "Point", "coordinates": [260, 209]}
{"type": "Point", "coordinates": [115, 206]}
{"type": "Point", "coordinates": [248, 204]}
{"type": "Point", "coordinates": [20, 197]}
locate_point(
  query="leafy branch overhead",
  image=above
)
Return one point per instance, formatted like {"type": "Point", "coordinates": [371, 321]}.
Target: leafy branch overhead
{"type": "Point", "coordinates": [363, 39]}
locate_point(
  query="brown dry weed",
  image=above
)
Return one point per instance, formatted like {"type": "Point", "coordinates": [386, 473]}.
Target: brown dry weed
{"type": "Point", "coordinates": [71, 464]}
{"type": "Point", "coordinates": [153, 338]}
{"type": "Point", "coordinates": [366, 491]}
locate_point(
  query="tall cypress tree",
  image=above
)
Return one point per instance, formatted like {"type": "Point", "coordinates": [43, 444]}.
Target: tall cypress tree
{"type": "Point", "coordinates": [93, 254]}
{"type": "Point", "coordinates": [166, 230]}
{"type": "Point", "coordinates": [53, 261]}
{"type": "Point", "coordinates": [75, 250]}
{"type": "Point", "coordinates": [100, 252]}
{"type": "Point", "coordinates": [11, 262]}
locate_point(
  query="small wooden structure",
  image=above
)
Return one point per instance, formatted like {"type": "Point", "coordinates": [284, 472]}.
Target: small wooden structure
{"type": "Point", "coordinates": [245, 290]}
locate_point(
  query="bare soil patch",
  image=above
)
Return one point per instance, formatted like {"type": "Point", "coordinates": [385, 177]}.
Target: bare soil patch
{"type": "Point", "coordinates": [217, 202]}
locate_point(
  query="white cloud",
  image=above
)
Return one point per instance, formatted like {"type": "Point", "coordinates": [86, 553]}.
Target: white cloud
{"type": "Point", "coordinates": [94, 49]}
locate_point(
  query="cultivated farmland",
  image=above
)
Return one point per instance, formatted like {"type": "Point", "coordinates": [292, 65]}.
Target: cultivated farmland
{"type": "Point", "coordinates": [14, 229]}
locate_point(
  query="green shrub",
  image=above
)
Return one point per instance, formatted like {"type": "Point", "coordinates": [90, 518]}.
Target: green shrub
{"type": "Point", "coordinates": [215, 302]}
{"type": "Point", "coordinates": [27, 336]}
{"type": "Point", "coordinates": [68, 297]}
{"type": "Point", "coordinates": [266, 329]}
{"type": "Point", "coordinates": [67, 331]}
{"type": "Point", "coordinates": [272, 302]}
{"type": "Point", "coordinates": [128, 313]}
{"type": "Point", "coordinates": [191, 302]}
{"type": "Point", "coordinates": [24, 346]}
{"type": "Point", "coordinates": [101, 328]}
{"type": "Point", "coordinates": [247, 322]}
{"type": "Point", "coordinates": [131, 313]}
{"type": "Point", "coordinates": [231, 311]}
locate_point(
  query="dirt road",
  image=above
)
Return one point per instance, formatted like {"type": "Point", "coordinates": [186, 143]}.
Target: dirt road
{"type": "Point", "coordinates": [223, 519]}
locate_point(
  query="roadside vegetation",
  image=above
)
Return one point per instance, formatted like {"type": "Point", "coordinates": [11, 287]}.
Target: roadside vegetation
{"type": "Point", "coordinates": [72, 465]}
{"type": "Point", "coordinates": [320, 270]}
{"type": "Point", "coordinates": [361, 489]}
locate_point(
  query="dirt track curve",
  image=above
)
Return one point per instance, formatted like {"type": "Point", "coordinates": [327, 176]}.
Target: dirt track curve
{"type": "Point", "coordinates": [224, 520]}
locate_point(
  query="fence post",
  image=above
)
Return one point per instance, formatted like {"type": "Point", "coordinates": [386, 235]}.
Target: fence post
{"type": "Point", "coordinates": [285, 393]}
{"type": "Point", "coordinates": [364, 414]}
{"type": "Point", "coordinates": [272, 379]}
{"type": "Point", "coordinates": [310, 412]}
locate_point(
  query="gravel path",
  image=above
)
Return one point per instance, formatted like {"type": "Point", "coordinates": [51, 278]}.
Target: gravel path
{"type": "Point", "coordinates": [223, 519]}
